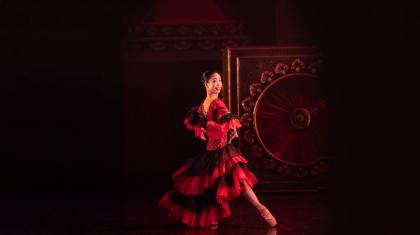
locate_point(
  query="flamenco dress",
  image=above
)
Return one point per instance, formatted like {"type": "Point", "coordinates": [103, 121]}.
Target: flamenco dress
{"type": "Point", "coordinates": [204, 186]}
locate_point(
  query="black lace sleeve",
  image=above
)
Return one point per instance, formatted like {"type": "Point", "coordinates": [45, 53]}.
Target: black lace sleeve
{"type": "Point", "coordinates": [193, 116]}
{"type": "Point", "coordinates": [227, 117]}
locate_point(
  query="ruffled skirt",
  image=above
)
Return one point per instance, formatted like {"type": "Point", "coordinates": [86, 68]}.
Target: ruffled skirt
{"type": "Point", "coordinates": [204, 186]}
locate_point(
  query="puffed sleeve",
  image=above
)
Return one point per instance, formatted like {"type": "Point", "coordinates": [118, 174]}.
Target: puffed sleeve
{"type": "Point", "coordinates": [194, 121]}
{"type": "Point", "coordinates": [225, 122]}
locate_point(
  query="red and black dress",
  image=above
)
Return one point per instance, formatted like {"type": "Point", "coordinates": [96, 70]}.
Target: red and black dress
{"type": "Point", "coordinates": [205, 184]}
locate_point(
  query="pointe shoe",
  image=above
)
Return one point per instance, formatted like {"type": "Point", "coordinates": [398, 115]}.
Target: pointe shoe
{"type": "Point", "coordinates": [269, 218]}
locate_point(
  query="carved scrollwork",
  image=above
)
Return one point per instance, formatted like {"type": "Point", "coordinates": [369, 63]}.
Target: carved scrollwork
{"type": "Point", "coordinates": [314, 66]}
{"type": "Point", "coordinates": [255, 89]}
{"type": "Point", "coordinates": [299, 118]}
{"type": "Point", "coordinates": [281, 68]}
{"type": "Point", "coordinates": [246, 120]}
{"type": "Point", "coordinates": [257, 151]}
{"type": "Point", "coordinates": [284, 170]}
{"type": "Point", "coordinates": [249, 136]}
{"type": "Point", "coordinates": [266, 76]}
{"type": "Point", "coordinates": [298, 65]}
{"type": "Point", "coordinates": [248, 104]}
{"type": "Point", "coordinates": [300, 172]}
{"type": "Point", "coordinates": [270, 163]}
{"type": "Point", "coordinates": [187, 37]}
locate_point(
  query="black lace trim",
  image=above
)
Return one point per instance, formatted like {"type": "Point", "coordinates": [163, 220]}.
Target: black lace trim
{"type": "Point", "coordinates": [192, 111]}
{"type": "Point", "coordinates": [227, 117]}
{"type": "Point", "coordinates": [196, 118]}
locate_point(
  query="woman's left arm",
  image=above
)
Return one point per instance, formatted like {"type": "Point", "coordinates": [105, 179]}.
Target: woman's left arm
{"type": "Point", "coordinates": [226, 122]}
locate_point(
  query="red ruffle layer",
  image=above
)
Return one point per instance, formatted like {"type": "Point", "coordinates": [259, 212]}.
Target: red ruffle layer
{"type": "Point", "coordinates": [195, 185]}
{"type": "Point", "coordinates": [216, 130]}
{"type": "Point", "coordinates": [208, 217]}
{"type": "Point", "coordinates": [225, 192]}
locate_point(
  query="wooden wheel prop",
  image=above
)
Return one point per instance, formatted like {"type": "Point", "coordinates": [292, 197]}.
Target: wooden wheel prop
{"type": "Point", "coordinates": [285, 120]}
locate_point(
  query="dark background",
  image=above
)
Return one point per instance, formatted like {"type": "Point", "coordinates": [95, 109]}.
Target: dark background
{"type": "Point", "coordinates": [76, 120]}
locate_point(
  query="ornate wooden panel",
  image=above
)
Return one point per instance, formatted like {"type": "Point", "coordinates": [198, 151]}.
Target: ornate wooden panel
{"type": "Point", "coordinates": [277, 93]}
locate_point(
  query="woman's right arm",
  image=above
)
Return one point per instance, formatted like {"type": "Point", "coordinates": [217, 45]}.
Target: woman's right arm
{"type": "Point", "coordinates": [195, 122]}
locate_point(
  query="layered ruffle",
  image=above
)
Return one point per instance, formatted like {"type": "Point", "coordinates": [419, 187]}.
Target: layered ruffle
{"type": "Point", "coordinates": [205, 184]}
{"type": "Point", "coordinates": [194, 121]}
{"type": "Point", "coordinates": [230, 187]}
{"type": "Point", "coordinates": [208, 216]}
{"type": "Point", "coordinates": [217, 130]}
{"type": "Point", "coordinates": [195, 185]}
{"type": "Point", "coordinates": [207, 161]}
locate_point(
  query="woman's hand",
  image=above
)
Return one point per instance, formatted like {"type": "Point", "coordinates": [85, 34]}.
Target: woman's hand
{"type": "Point", "coordinates": [202, 136]}
{"type": "Point", "coordinates": [232, 135]}
{"type": "Point", "coordinates": [199, 132]}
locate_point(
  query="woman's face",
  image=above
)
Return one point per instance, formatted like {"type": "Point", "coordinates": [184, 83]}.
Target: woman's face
{"type": "Point", "coordinates": [214, 84]}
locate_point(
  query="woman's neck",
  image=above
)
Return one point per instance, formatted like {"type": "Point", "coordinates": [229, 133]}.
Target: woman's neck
{"type": "Point", "coordinates": [211, 97]}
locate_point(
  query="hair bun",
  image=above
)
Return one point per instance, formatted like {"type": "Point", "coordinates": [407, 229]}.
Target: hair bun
{"type": "Point", "coordinates": [206, 75]}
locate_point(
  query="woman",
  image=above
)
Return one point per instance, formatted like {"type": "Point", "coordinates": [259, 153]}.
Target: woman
{"type": "Point", "coordinates": [205, 184]}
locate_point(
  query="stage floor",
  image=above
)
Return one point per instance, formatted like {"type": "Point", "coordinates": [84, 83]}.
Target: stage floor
{"type": "Point", "coordinates": [298, 213]}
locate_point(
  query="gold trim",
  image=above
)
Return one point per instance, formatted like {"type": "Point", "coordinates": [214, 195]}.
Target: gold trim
{"type": "Point", "coordinates": [275, 47]}
{"type": "Point", "coordinates": [229, 79]}
{"type": "Point", "coordinates": [257, 105]}
{"type": "Point", "coordinates": [237, 86]}
{"type": "Point", "coordinates": [278, 56]}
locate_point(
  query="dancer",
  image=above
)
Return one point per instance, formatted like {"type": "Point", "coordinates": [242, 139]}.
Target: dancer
{"type": "Point", "coordinates": [206, 183]}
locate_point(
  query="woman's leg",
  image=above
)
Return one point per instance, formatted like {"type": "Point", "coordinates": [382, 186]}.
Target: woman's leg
{"type": "Point", "coordinates": [250, 195]}
{"type": "Point", "coordinates": [252, 198]}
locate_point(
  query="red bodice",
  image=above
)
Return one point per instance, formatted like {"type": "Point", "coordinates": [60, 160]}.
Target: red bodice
{"type": "Point", "coordinates": [219, 124]}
